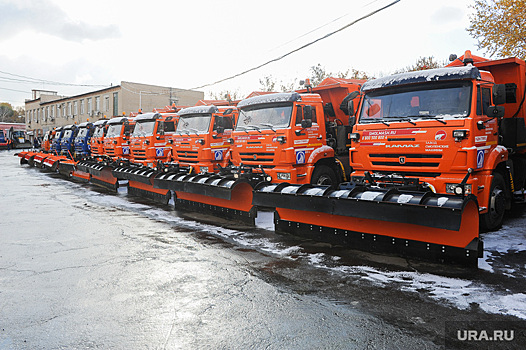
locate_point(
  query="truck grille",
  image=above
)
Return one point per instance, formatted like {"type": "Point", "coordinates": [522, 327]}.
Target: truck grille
{"type": "Point", "coordinates": [188, 156]}
{"type": "Point", "coordinates": [139, 154]}
{"type": "Point", "coordinates": [257, 158]}
{"type": "Point", "coordinates": [410, 160]}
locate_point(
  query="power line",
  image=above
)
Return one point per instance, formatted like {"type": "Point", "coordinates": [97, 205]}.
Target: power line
{"type": "Point", "coordinates": [25, 92]}
{"type": "Point", "coordinates": [50, 82]}
{"type": "Point", "coordinates": [320, 27]}
{"type": "Point", "coordinates": [300, 48]}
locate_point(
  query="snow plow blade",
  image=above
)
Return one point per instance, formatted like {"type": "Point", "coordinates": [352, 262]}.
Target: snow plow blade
{"type": "Point", "coordinates": [422, 225]}
{"type": "Point", "coordinates": [38, 159]}
{"type": "Point", "coordinates": [51, 163]}
{"type": "Point", "coordinates": [26, 157]}
{"type": "Point", "coordinates": [100, 174]}
{"type": "Point", "coordinates": [69, 169]}
{"type": "Point", "coordinates": [140, 182]}
{"type": "Point", "coordinates": [214, 194]}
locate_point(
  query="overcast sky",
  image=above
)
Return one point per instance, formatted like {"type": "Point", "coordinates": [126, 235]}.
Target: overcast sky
{"type": "Point", "coordinates": [187, 44]}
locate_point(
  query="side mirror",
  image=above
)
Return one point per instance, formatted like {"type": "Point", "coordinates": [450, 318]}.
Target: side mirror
{"type": "Point", "coordinates": [228, 111]}
{"type": "Point", "coordinates": [499, 94]}
{"type": "Point", "coordinates": [350, 108]}
{"type": "Point", "coordinates": [306, 123]}
{"type": "Point", "coordinates": [496, 111]}
{"type": "Point", "coordinates": [352, 120]}
{"type": "Point", "coordinates": [345, 106]}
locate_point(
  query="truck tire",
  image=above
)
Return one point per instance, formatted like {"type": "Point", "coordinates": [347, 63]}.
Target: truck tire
{"type": "Point", "coordinates": [324, 175]}
{"type": "Point", "coordinates": [492, 220]}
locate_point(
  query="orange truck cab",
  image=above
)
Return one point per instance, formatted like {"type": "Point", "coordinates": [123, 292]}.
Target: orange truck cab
{"type": "Point", "coordinates": [117, 140]}
{"type": "Point", "coordinates": [200, 142]}
{"type": "Point", "coordinates": [46, 141]}
{"type": "Point", "coordinates": [149, 140]}
{"type": "Point", "coordinates": [297, 137]}
{"type": "Point", "coordinates": [97, 140]}
{"type": "Point", "coordinates": [458, 130]}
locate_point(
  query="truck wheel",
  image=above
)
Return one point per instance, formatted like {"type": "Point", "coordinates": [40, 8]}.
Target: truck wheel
{"type": "Point", "coordinates": [492, 220]}
{"type": "Point", "coordinates": [324, 175]}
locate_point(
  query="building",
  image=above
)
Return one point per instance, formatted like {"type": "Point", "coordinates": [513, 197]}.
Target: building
{"type": "Point", "coordinates": [47, 109]}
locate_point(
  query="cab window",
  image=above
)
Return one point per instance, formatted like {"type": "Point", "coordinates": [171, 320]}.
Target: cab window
{"type": "Point", "coordinates": [483, 100]}
{"type": "Point", "coordinates": [169, 126]}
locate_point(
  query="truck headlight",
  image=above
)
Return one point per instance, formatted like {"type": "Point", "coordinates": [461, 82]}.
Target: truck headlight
{"type": "Point", "coordinates": [203, 169]}
{"type": "Point", "coordinates": [354, 136]}
{"type": "Point", "coordinates": [283, 176]}
{"type": "Point", "coordinates": [457, 189]}
{"type": "Point", "coordinates": [460, 134]}
{"type": "Point", "coordinates": [281, 139]}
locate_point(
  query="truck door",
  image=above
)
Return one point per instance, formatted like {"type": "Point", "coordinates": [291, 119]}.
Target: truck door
{"type": "Point", "coordinates": [486, 130]}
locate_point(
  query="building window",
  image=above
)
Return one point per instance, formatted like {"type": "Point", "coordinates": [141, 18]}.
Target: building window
{"type": "Point", "coordinates": [106, 103]}
{"type": "Point", "coordinates": [115, 103]}
{"type": "Point", "coordinates": [82, 107]}
{"type": "Point", "coordinates": [64, 114]}
{"type": "Point", "coordinates": [97, 103]}
{"type": "Point", "coordinates": [75, 108]}
{"type": "Point", "coordinates": [69, 109]}
{"type": "Point", "coordinates": [47, 113]}
{"type": "Point", "coordinates": [52, 113]}
{"type": "Point", "coordinates": [89, 106]}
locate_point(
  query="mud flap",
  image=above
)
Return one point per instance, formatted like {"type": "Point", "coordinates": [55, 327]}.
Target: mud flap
{"type": "Point", "coordinates": [424, 225]}
{"type": "Point", "coordinates": [211, 193]}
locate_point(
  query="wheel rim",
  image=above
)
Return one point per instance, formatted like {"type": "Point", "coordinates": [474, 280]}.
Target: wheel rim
{"type": "Point", "coordinates": [324, 180]}
{"type": "Point", "coordinates": [497, 204]}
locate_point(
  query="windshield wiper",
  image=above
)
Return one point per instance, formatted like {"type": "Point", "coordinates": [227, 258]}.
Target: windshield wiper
{"type": "Point", "coordinates": [269, 125]}
{"type": "Point", "coordinates": [428, 117]}
{"type": "Point", "coordinates": [370, 121]}
{"type": "Point", "coordinates": [397, 119]}
{"type": "Point", "coordinates": [242, 127]}
{"type": "Point", "coordinates": [254, 127]}
{"type": "Point", "coordinates": [194, 130]}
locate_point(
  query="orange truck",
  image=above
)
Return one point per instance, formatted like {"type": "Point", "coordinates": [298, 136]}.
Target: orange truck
{"type": "Point", "coordinates": [434, 154]}
{"type": "Point", "coordinates": [200, 142]}
{"type": "Point", "coordinates": [149, 149]}
{"type": "Point", "coordinates": [117, 140]}
{"type": "Point", "coordinates": [97, 140]}
{"type": "Point", "coordinates": [110, 145]}
{"type": "Point", "coordinates": [299, 137]}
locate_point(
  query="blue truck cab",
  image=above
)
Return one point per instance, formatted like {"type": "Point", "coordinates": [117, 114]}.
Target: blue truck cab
{"type": "Point", "coordinates": [56, 143]}
{"type": "Point", "coordinates": [66, 143]}
{"type": "Point", "coordinates": [82, 140]}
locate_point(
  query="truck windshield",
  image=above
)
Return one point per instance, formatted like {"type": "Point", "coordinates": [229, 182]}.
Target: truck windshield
{"type": "Point", "coordinates": [67, 134]}
{"type": "Point", "coordinates": [194, 124]}
{"type": "Point", "coordinates": [114, 130]}
{"type": "Point", "coordinates": [273, 117]}
{"type": "Point", "coordinates": [144, 129]}
{"type": "Point", "coordinates": [82, 133]}
{"type": "Point", "coordinates": [419, 101]}
{"type": "Point", "coordinates": [99, 131]}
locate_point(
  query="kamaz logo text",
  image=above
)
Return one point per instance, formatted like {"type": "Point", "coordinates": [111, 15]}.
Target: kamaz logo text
{"type": "Point", "coordinates": [402, 146]}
